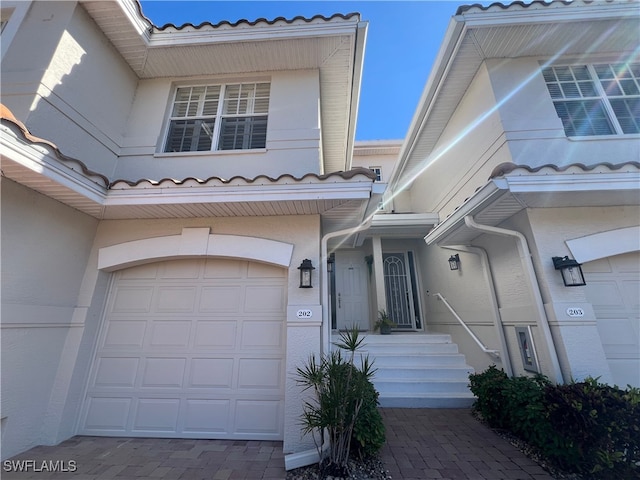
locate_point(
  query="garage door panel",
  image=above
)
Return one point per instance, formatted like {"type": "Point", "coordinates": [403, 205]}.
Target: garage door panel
{"type": "Point", "coordinates": [156, 415]}
{"type": "Point", "coordinates": [182, 354]}
{"type": "Point", "coordinates": [258, 416]}
{"type": "Point", "coordinates": [168, 333]}
{"type": "Point", "coordinates": [265, 299]}
{"type": "Point", "coordinates": [221, 299]}
{"type": "Point", "coordinates": [163, 372]}
{"type": "Point", "coordinates": [132, 300]}
{"type": "Point", "coordinates": [262, 270]}
{"type": "Point", "coordinates": [176, 299]}
{"type": "Point", "coordinates": [219, 334]}
{"type": "Point", "coordinates": [125, 333]}
{"type": "Point", "coordinates": [207, 416]}
{"type": "Point", "coordinates": [184, 269]}
{"type": "Point", "coordinates": [211, 373]}
{"type": "Point", "coordinates": [118, 372]}
{"type": "Point", "coordinates": [612, 288]}
{"type": "Point", "coordinates": [108, 414]}
{"type": "Point", "coordinates": [259, 373]}
{"type": "Point", "coordinates": [224, 268]}
{"type": "Point", "coordinates": [262, 333]}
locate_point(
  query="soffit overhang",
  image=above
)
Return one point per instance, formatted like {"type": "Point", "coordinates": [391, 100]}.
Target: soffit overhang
{"type": "Point", "coordinates": [332, 45]}
{"type": "Point", "coordinates": [514, 188]}
{"type": "Point", "coordinates": [339, 197]}
{"type": "Point", "coordinates": [475, 34]}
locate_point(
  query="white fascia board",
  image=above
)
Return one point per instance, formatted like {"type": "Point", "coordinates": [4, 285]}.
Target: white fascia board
{"type": "Point", "coordinates": [550, 14]}
{"type": "Point", "coordinates": [199, 36]}
{"type": "Point", "coordinates": [358, 65]}
{"type": "Point", "coordinates": [140, 24]}
{"type": "Point", "coordinates": [574, 182]}
{"type": "Point", "coordinates": [231, 194]}
{"type": "Point", "coordinates": [404, 219]}
{"type": "Point", "coordinates": [491, 192]}
{"type": "Point", "coordinates": [40, 160]}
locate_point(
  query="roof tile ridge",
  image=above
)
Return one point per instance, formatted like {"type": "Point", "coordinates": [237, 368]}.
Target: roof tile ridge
{"type": "Point", "coordinates": [253, 23]}
{"type": "Point", "coordinates": [508, 167]}
{"type": "Point", "coordinates": [7, 115]}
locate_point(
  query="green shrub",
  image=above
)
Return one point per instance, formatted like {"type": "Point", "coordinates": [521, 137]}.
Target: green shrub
{"type": "Point", "coordinates": [599, 427]}
{"type": "Point", "coordinates": [587, 427]}
{"type": "Point", "coordinates": [344, 401]}
{"type": "Point", "coordinates": [488, 387]}
{"type": "Point", "coordinates": [369, 432]}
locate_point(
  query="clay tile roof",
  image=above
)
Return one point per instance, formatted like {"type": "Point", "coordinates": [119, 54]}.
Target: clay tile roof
{"type": "Point", "coordinates": [243, 21]}
{"type": "Point", "coordinates": [476, 6]}
{"type": "Point", "coordinates": [7, 115]}
{"type": "Point", "coordinates": [507, 168]}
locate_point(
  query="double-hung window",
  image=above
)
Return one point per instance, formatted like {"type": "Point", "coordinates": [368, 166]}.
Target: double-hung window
{"type": "Point", "coordinates": [218, 117]}
{"type": "Point", "coordinates": [599, 99]}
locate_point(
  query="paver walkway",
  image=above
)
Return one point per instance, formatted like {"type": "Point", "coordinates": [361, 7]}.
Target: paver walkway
{"type": "Point", "coordinates": [450, 444]}
{"type": "Point", "coordinates": [421, 444]}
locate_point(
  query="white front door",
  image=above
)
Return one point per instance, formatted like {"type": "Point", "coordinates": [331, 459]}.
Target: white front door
{"type": "Point", "coordinates": [352, 299]}
{"type": "Point", "coordinates": [191, 349]}
{"type": "Point", "coordinates": [397, 284]}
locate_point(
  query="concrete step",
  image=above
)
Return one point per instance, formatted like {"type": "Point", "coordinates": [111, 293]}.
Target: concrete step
{"type": "Point", "coordinates": [431, 360]}
{"type": "Point", "coordinates": [453, 373]}
{"type": "Point", "coordinates": [404, 338]}
{"type": "Point", "coordinates": [444, 400]}
{"type": "Point", "coordinates": [426, 348]}
{"type": "Point", "coordinates": [421, 387]}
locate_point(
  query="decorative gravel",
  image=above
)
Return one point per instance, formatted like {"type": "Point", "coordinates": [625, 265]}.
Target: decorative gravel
{"type": "Point", "coordinates": [368, 469]}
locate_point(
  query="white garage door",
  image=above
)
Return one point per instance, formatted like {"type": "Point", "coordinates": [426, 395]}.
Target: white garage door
{"type": "Point", "coordinates": [191, 349]}
{"type": "Point", "coordinates": [613, 288]}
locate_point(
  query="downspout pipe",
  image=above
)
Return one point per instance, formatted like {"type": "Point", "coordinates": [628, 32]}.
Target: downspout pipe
{"type": "Point", "coordinates": [525, 258]}
{"type": "Point", "coordinates": [497, 319]}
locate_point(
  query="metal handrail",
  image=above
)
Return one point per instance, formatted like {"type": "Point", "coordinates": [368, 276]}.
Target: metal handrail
{"type": "Point", "coordinates": [496, 353]}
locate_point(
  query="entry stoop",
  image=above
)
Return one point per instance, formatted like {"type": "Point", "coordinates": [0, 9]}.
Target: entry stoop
{"type": "Point", "coordinates": [418, 370]}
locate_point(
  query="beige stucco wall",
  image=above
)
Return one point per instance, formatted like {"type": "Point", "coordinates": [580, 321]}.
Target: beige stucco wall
{"type": "Point", "coordinates": [293, 132]}
{"type": "Point", "coordinates": [468, 149]}
{"type": "Point", "coordinates": [69, 85]}
{"type": "Point", "coordinates": [45, 246]}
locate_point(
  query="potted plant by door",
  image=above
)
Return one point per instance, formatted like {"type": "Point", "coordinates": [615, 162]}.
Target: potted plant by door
{"type": "Point", "coordinates": [384, 323]}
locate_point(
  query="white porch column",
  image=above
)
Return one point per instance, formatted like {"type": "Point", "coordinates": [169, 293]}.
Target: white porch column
{"type": "Point", "coordinates": [378, 274]}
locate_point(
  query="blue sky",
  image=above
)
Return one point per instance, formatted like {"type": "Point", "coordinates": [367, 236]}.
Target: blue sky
{"type": "Point", "coordinates": [402, 43]}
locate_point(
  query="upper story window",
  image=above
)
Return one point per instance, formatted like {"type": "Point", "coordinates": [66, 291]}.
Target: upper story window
{"type": "Point", "coordinates": [218, 117]}
{"type": "Point", "coordinates": [378, 172]}
{"type": "Point", "coordinates": [600, 99]}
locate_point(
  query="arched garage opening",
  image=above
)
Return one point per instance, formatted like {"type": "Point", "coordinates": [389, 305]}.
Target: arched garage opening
{"type": "Point", "coordinates": [191, 348]}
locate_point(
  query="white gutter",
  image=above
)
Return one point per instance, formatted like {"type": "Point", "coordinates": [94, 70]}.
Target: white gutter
{"type": "Point", "coordinates": [302, 459]}
{"type": "Point", "coordinates": [525, 257]}
{"type": "Point", "coordinates": [497, 319]}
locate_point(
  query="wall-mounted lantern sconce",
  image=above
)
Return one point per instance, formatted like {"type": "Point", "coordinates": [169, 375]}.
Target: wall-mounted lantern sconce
{"type": "Point", "coordinates": [454, 262]}
{"type": "Point", "coordinates": [305, 273]}
{"type": "Point", "coordinates": [330, 263]}
{"type": "Point", "coordinates": [571, 271]}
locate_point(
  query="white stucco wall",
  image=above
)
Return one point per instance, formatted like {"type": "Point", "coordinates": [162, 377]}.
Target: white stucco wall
{"type": "Point", "coordinates": [45, 246]}
{"type": "Point", "coordinates": [69, 85]}
{"type": "Point", "coordinates": [468, 149]}
{"type": "Point", "coordinates": [532, 127]}
{"type": "Point", "coordinates": [551, 229]}
{"type": "Point", "coordinates": [293, 132]}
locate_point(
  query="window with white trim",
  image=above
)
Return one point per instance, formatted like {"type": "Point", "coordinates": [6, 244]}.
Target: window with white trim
{"type": "Point", "coordinates": [218, 117]}
{"type": "Point", "coordinates": [378, 172]}
{"type": "Point", "coordinates": [598, 99]}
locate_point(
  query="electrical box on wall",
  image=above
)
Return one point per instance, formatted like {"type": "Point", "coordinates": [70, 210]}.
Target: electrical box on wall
{"type": "Point", "coordinates": [527, 349]}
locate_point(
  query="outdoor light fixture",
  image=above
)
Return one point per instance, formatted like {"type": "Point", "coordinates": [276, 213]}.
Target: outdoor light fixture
{"type": "Point", "coordinates": [454, 262]}
{"type": "Point", "coordinates": [571, 271]}
{"type": "Point", "coordinates": [305, 273]}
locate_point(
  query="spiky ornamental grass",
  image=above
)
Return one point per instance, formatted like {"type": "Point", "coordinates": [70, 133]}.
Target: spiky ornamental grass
{"type": "Point", "coordinates": [338, 393]}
